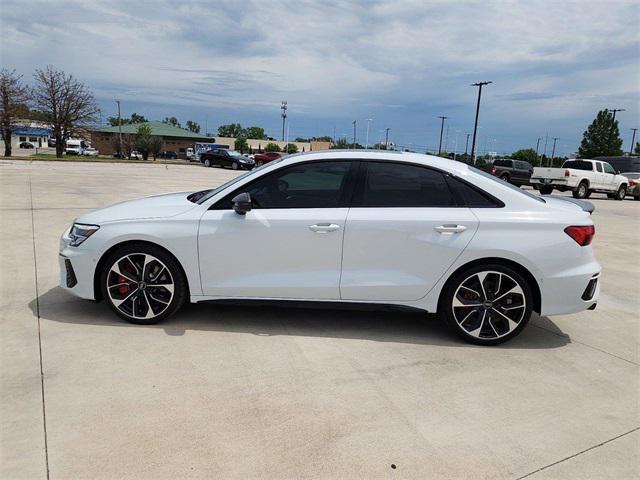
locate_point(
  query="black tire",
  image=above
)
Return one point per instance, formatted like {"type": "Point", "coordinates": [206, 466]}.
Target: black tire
{"type": "Point", "coordinates": [235, 166]}
{"type": "Point", "coordinates": [637, 197]}
{"type": "Point", "coordinates": [207, 162]}
{"type": "Point", "coordinates": [621, 193]}
{"type": "Point", "coordinates": [581, 190]}
{"type": "Point", "coordinates": [134, 252]}
{"type": "Point", "coordinates": [589, 192]}
{"type": "Point", "coordinates": [498, 330]}
{"type": "Point", "coordinates": [504, 177]}
{"type": "Point", "coordinates": [546, 190]}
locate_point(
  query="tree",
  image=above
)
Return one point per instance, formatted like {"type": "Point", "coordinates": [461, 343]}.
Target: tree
{"type": "Point", "coordinates": [135, 118]}
{"type": "Point", "coordinates": [602, 137]}
{"type": "Point", "coordinates": [291, 148]}
{"type": "Point", "coordinates": [173, 121]}
{"type": "Point", "coordinates": [526, 155]}
{"type": "Point", "coordinates": [637, 150]}
{"type": "Point", "coordinates": [255, 132]}
{"type": "Point", "coordinates": [193, 126]}
{"type": "Point", "coordinates": [379, 146]}
{"type": "Point", "coordinates": [231, 130]}
{"type": "Point", "coordinates": [272, 147]}
{"type": "Point", "coordinates": [144, 141]}
{"type": "Point", "coordinates": [67, 102]}
{"type": "Point", "coordinates": [241, 145]}
{"type": "Point", "coordinates": [342, 143]}
{"type": "Point", "coordinates": [126, 148]}
{"type": "Point", "coordinates": [155, 145]}
{"type": "Point", "coordinates": [13, 96]}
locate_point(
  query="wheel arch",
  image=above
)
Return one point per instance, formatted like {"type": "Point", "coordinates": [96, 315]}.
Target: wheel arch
{"type": "Point", "coordinates": [531, 280]}
{"type": "Point", "coordinates": [583, 180]}
{"type": "Point", "coordinates": [97, 291]}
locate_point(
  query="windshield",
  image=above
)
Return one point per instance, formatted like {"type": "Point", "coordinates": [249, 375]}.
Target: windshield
{"type": "Point", "coordinates": [233, 153]}
{"type": "Point", "coordinates": [507, 184]}
{"type": "Point", "coordinates": [204, 195]}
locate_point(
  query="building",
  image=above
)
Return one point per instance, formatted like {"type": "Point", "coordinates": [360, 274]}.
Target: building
{"type": "Point", "coordinates": [38, 137]}
{"type": "Point", "coordinates": [174, 139]}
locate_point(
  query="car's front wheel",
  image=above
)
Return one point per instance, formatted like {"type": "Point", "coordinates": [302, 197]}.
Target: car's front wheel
{"type": "Point", "coordinates": [235, 166]}
{"type": "Point", "coordinates": [207, 162]}
{"type": "Point", "coordinates": [143, 284]}
{"type": "Point", "coordinates": [621, 193]}
{"type": "Point", "coordinates": [487, 304]}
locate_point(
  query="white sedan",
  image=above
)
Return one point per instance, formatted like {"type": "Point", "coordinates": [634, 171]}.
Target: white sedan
{"type": "Point", "coordinates": [399, 230]}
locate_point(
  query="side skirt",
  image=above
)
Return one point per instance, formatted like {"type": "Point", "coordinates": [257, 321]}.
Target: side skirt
{"type": "Point", "coordinates": [315, 304]}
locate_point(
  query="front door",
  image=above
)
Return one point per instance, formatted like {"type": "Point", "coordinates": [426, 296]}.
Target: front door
{"type": "Point", "coordinates": [288, 246]}
{"type": "Point", "coordinates": [403, 232]}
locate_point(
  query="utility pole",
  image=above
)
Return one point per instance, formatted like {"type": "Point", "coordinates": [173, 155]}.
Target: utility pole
{"type": "Point", "coordinates": [119, 131]}
{"type": "Point", "coordinates": [544, 153]}
{"type": "Point", "coordinates": [466, 145]}
{"type": "Point", "coordinates": [614, 110]}
{"type": "Point", "coordinates": [446, 139]}
{"type": "Point", "coordinates": [283, 107]}
{"type": "Point", "coordinates": [366, 143]}
{"type": "Point", "coordinates": [537, 147]}
{"type": "Point", "coordinates": [441, 129]}
{"type": "Point", "coordinates": [386, 139]}
{"type": "Point", "coordinates": [633, 141]}
{"type": "Point", "coordinates": [553, 152]}
{"type": "Point", "coordinates": [475, 125]}
{"type": "Point", "coordinates": [354, 134]}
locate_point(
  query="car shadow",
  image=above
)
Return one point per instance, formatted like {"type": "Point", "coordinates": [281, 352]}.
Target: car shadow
{"type": "Point", "coordinates": [379, 326]}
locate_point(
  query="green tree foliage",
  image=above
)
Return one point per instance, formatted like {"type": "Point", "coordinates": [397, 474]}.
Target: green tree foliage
{"type": "Point", "coordinates": [602, 137]}
{"type": "Point", "coordinates": [155, 146]}
{"type": "Point", "coordinates": [379, 146]}
{"type": "Point", "coordinates": [637, 150]}
{"type": "Point", "coordinates": [342, 143]}
{"type": "Point", "coordinates": [255, 132]}
{"type": "Point", "coordinates": [135, 118]}
{"type": "Point", "coordinates": [272, 147]}
{"type": "Point", "coordinates": [173, 121]}
{"type": "Point", "coordinates": [526, 155]}
{"type": "Point", "coordinates": [231, 130]}
{"type": "Point", "coordinates": [241, 145]}
{"type": "Point", "coordinates": [193, 126]}
{"type": "Point", "coordinates": [291, 148]}
{"type": "Point", "coordinates": [144, 141]}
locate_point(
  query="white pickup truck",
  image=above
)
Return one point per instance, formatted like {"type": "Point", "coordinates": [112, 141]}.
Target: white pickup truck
{"type": "Point", "coordinates": [582, 177]}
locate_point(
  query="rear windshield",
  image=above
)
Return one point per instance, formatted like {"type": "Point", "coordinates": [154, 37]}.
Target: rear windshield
{"type": "Point", "coordinates": [507, 184]}
{"type": "Point", "coordinates": [578, 165]}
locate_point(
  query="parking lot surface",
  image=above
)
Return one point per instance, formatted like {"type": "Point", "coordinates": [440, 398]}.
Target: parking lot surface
{"type": "Point", "coordinates": [222, 392]}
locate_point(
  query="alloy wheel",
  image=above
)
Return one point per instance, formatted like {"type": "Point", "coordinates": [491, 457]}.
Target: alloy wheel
{"type": "Point", "coordinates": [140, 286]}
{"type": "Point", "coordinates": [489, 305]}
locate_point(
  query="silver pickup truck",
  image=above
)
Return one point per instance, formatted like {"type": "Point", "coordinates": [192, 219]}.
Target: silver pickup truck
{"type": "Point", "coordinates": [582, 177]}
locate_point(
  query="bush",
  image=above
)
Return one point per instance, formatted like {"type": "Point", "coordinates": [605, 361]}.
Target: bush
{"type": "Point", "coordinates": [272, 147]}
{"type": "Point", "coordinates": [241, 145]}
{"type": "Point", "coordinates": [291, 148]}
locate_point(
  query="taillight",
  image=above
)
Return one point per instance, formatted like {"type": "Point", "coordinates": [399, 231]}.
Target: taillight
{"type": "Point", "coordinates": [633, 182]}
{"type": "Point", "coordinates": [567, 173]}
{"type": "Point", "coordinates": [493, 170]}
{"type": "Point", "coordinates": [581, 234]}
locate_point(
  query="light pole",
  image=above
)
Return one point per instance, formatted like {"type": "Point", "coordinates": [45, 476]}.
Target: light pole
{"type": "Point", "coordinates": [544, 153]}
{"type": "Point", "coordinates": [466, 145]}
{"type": "Point", "coordinates": [475, 125]}
{"type": "Point", "coordinates": [442, 118]}
{"type": "Point", "coordinates": [553, 152]}
{"type": "Point", "coordinates": [614, 110]}
{"type": "Point", "coordinates": [455, 148]}
{"type": "Point", "coordinates": [119, 131]}
{"type": "Point", "coordinates": [386, 139]}
{"type": "Point", "coordinates": [633, 141]}
{"type": "Point", "coordinates": [283, 107]}
{"type": "Point", "coordinates": [354, 134]}
{"type": "Point", "coordinates": [537, 147]}
{"type": "Point", "coordinates": [366, 143]}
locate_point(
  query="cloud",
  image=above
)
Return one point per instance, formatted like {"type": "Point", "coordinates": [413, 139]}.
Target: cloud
{"type": "Point", "coordinates": [404, 60]}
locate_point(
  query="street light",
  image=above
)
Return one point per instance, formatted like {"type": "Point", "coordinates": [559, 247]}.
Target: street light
{"type": "Point", "coordinates": [119, 131]}
{"type": "Point", "coordinates": [633, 141]}
{"type": "Point", "coordinates": [366, 143]}
{"type": "Point", "coordinates": [475, 125]}
{"type": "Point", "coordinates": [283, 107]}
{"type": "Point", "coordinates": [354, 134]}
{"type": "Point", "coordinates": [441, 129]}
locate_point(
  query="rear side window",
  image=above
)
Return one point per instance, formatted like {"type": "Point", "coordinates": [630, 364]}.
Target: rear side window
{"type": "Point", "coordinates": [599, 167]}
{"type": "Point", "coordinates": [471, 196]}
{"type": "Point", "coordinates": [387, 184]}
{"type": "Point", "coordinates": [503, 163]}
{"type": "Point", "coordinates": [578, 165]}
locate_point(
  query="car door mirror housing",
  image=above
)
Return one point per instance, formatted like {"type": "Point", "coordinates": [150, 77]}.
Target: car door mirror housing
{"type": "Point", "coordinates": [242, 203]}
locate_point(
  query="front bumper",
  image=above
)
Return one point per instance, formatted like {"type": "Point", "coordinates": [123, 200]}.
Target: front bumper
{"type": "Point", "coordinates": [77, 267]}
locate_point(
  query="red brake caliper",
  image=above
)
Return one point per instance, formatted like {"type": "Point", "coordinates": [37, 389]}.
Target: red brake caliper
{"type": "Point", "coordinates": [123, 288]}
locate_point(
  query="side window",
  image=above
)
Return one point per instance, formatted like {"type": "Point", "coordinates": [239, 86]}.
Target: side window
{"type": "Point", "coordinates": [400, 185]}
{"type": "Point", "coordinates": [470, 196]}
{"type": "Point", "coordinates": [608, 168]}
{"type": "Point", "coordinates": [308, 185]}
{"type": "Point", "coordinates": [599, 167]}
{"type": "Point", "coordinates": [23, 139]}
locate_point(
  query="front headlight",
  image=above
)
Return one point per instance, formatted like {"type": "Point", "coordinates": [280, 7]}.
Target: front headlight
{"type": "Point", "coordinates": [80, 232]}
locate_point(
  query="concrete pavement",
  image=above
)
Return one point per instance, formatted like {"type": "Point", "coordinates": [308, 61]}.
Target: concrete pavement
{"type": "Point", "coordinates": [239, 392]}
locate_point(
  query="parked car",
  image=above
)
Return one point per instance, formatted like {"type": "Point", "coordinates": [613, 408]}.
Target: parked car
{"type": "Point", "coordinates": [266, 157]}
{"type": "Point", "coordinates": [90, 152]}
{"type": "Point", "coordinates": [119, 155]}
{"type": "Point", "coordinates": [167, 154]}
{"type": "Point", "coordinates": [135, 155]}
{"type": "Point", "coordinates": [26, 145]}
{"type": "Point", "coordinates": [222, 157]}
{"type": "Point", "coordinates": [516, 172]}
{"type": "Point", "coordinates": [51, 142]}
{"type": "Point", "coordinates": [634, 184]}
{"type": "Point", "coordinates": [398, 230]}
{"type": "Point", "coordinates": [190, 154]}
{"type": "Point", "coordinates": [74, 146]}
{"type": "Point", "coordinates": [582, 177]}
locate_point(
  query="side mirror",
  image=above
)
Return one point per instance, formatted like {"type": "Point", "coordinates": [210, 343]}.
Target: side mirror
{"type": "Point", "coordinates": [242, 203]}
{"type": "Point", "coordinates": [617, 172]}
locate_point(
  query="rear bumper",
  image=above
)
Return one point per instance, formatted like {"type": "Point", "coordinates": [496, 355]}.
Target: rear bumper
{"type": "Point", "coordinates": [571, 291]}
{"type": "Point", "coordinates": [552, 182]}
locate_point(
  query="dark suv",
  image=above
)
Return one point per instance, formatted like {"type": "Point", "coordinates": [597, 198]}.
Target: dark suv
{"type": "Point", "coordinates": [167, 154]}
{"type": "Point", "coordinates": [516, 172]}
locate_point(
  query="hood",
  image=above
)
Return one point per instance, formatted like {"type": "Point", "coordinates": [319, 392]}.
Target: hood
{"type": "Point", "coordinates": [157, 206]}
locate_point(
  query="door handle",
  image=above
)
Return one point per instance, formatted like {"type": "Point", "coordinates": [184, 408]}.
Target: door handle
{"type": "Point", "coordinates": [324, 227]}
{"type": "Point", "coordinates": [450, 228]}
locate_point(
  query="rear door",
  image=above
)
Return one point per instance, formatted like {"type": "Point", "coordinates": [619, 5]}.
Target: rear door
{"type": "Point", "coordinates": [404, 230]}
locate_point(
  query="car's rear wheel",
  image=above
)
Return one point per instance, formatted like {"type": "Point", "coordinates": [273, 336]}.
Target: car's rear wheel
{"type": "Point", "coordinates": [546, 190]}
{"type": "Point", "coordinates": [143, 284]}
{"type": "Point", "coordinates": [581, 190]}
{"type": "Point", "coordinates": [621, 193]}
{"type": "Point", "coordinates": [505, 177]}
{"type": "Point", "coordinates": [235, 166]}
{"type": "Point", "coordinates": [487, 304]}
{"type": "Point", "coordinates": [207, 162]}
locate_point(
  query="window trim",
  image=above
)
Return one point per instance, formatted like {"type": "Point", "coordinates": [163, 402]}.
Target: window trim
{"type": "Point", "coordinates": [346, 191]}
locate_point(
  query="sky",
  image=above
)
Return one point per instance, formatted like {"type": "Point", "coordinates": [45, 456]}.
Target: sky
{"type": "Point", "coordinates": [400, 63]}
